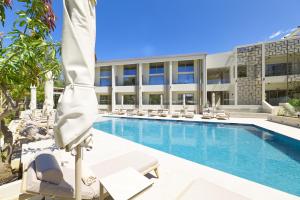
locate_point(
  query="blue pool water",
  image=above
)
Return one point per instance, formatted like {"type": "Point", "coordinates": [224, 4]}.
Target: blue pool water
{"type": "Point", "coordinates": [242, 150]}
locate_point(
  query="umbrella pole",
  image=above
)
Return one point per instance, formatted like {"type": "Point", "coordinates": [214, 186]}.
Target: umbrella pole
{"type": "Point", "coordinates": [78, 172]}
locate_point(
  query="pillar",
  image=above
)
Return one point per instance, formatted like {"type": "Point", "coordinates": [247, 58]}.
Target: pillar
{"type": "Point", "coordinates": [170, 85]}
{"type": "Point", "coordinates": [140, 87]}
{"type": "Point", "coordinates": [235, 78]}
{"type": "Point", "coordinates": [263, 73]}
{"type": "Point", "coordinates": [113, 87]}
{"type": "Point", "coordinates": [204, 83]}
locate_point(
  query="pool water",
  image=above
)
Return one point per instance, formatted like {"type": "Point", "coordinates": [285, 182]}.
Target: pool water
{"type": "Point", "coordinates": [242, 150]}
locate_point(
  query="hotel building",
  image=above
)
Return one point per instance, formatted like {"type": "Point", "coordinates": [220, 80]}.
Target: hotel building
{"type": "Point", "coordinates": [248, 77]}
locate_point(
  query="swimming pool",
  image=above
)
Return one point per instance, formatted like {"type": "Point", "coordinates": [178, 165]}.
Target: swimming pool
{"type": "Point", "coordinates": [242, 150]}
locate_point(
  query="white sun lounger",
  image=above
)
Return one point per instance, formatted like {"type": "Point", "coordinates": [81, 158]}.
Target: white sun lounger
{"type": "Point", "coordinates": [176, 114]}
{"type": "Point", "coordinates": [153, 113]}
{"type": "Point", "coordinates": [221, 114]}
{"type": "Point", "coordinates": [32, 186]}
{"type": "Point", "coordinates": [189, 114]}
{"type": "Point", "coordinates": [202, 189]}
{"type": "Point", "coordinates": [164, 113]}
{"type": "Point", "coordinates": [207, 114]}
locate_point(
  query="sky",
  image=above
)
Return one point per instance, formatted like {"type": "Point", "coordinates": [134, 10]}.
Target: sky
{"type": "Point", "coordinates": [141, 28]}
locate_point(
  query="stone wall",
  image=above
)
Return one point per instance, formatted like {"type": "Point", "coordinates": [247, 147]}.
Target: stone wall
{"type": "Point", "coordinates": [250, 88]}
{"type": "Point", "coordinates": [291, 50]}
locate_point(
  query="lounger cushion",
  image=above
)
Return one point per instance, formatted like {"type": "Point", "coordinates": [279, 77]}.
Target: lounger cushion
{"type": "Point", "coordinates": [135, 159]}
{"type": "Point", "coordinates": [64, 190]}
{"type": "Point", "coordinates": [48, 169]}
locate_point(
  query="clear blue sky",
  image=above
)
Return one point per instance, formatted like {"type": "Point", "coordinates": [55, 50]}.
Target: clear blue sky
{"type": "Point", "coordinates": [135, 28]}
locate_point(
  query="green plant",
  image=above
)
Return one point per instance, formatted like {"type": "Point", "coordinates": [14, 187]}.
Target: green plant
{"type": "Point", "coordinates": [295, 102]}
{"type": "Point", "coordinates": [30, 54]}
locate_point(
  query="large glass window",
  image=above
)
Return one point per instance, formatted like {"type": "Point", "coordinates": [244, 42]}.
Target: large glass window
{"type": "Point", "coordinates": [129, 80]}
{"type": "Point", "coordinates": [105, 81]}
{"type": "Point", "coordinates": [242, 71]}
{"type": "Point", "coordinates": [154, 99]}
{"type": "Point", "coordinates": [185, 78]}
{"type": "Point", "coordinates": [129, 99]}
{"type": "Point", "coordinates": [105, 76]}
{"type": "Point", "coordinates": [105, 100]}
{"type": "Point", "coordinates": [189, 99]}
{"type": "Point", "coordinates": [156, 74]}
{"type": "Point", "coordinates": [130, 70]}
{"type": "Point", "coordinates": [129, 74]}
{"type": "Point", "coordinates": [277, 69]}
{"type": "Point", "coordinates": [185, 72]}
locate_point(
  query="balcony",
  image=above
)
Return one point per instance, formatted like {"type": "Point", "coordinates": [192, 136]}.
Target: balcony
{"type": "Point", "coordinates": [218, 81]}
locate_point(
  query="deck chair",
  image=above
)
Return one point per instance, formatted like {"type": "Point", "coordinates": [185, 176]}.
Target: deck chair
{"type": "Point", "coordinates": [176, 114]}
{"type": "Point", "coordinates": [189, 114]}
{"type": "Point", "coordinates": [207, 114]}
{"type": "Point", "coordinates": [203, 189]}
{"type": "Point", "coordinates": [164, 113]}
{"type": "Point", "coordinates": [221, 114]}
{"type": "Point", "coordinates": [153, 113]}
{"type": "Point", "coordinates": [32, 186]}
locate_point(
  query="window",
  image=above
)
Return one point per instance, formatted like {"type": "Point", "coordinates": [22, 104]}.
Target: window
{"type": "Point", "coordinates": [130, 70]}
{"type": "Point", "coordinates": [105, 81]}
{"type": "Point", "coordinates": [156, 68]}
{"type": "Point", "coordinates": [129, 75]}
{"type": "Point", "coordinates": [129, 99]}
{"type": "Point", "coordinates": [185, 72]}
{"type": "Point", "coordinates": [156, 74]}
{"type": "Point", "coordinates": [189, 99]}
{"type": "Point", "coordinates": [105, 76]}
{"type": "Point", "coordinates": [154, 99]}
{"type": "Point", "coordinates": [242, 71]}
{"type": "Point", "coordinates": [185, 78]}
{"type": "Point", "coordinates": [104, 100]}
{"type": "Point", "coordinates": [277, 69]}
{"type": "Point", "coordinates": [129, 80]}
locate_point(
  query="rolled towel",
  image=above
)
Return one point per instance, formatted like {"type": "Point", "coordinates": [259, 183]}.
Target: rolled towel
{"type": "Point", "coordinates": [87, 176]}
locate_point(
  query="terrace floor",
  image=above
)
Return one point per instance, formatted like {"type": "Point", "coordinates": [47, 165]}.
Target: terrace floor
{"type": "Point", "coordinates": [175, 173]}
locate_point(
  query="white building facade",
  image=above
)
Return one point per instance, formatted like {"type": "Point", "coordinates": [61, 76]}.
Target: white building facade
{"type": "Point", "coordinates": [246, 77]}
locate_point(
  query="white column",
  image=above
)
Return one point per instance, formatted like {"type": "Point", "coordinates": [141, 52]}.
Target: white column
{"type": "Point", "coordinates": [32, 97]}
{"type": "Point", "coordinates": [183, 99]}
{"type": "Point", "coordinates": [140, 88]}
{"type": "Point", "coordinates": [213, 99]}
{"type": "Point", "coordinates": [204, 83]}
{"type": "Point", "coordinates": [235, 79]}
{"type": "Point", "coordinates": [263, 73]}
{"type": "Point", "coordinates": [161, 100]}
{"type": "Point", "coordinates": [113, 87]}
{"type": "Point", "coordinates": [170, 85]}
{"type": "Point", "coordinates": [122, 100]}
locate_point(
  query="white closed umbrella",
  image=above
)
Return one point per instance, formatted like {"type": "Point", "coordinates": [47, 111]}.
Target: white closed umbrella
{"type": "Point", "coordinates": [77, 106]}
{"type": "Point", "coordinates": [32, 98]}
{"type": "Point", "coordinates": [48, 90]}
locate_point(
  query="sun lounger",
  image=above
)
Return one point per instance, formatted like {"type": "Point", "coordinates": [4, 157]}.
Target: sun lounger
{"type": "Point", "coordinates": [189, 114]}
{"type": "Point", "coordinates": [207, 114]}
{"type": "Point", "coordinates": [132, 112]}
{"type": "Point", "coordinates": [32, 186]}
{"type": "Point", "coordinates": [176, 114]}
{"type": "Point", "coordinates": [153, 113]}
{"type": "Point", "coordinates": [164, 113]}
{"type": "Point", "coordinates": [221, 114]}
{"type": "Point", "coordinates": [207, 190]}
{"type": "Point", "coordinates": [141, 113]}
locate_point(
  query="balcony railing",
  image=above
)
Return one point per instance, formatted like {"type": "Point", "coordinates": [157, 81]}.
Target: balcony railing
{"type": "Point", "coordinates": [218, 81]}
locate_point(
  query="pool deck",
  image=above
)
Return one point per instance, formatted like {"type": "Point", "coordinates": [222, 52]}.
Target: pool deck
{"type": "Point", "coordinates": [175, 173]}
